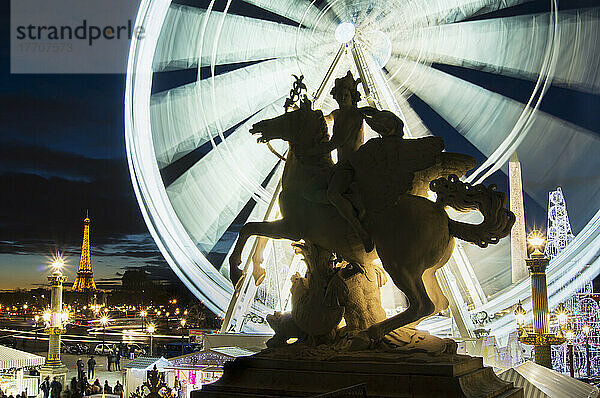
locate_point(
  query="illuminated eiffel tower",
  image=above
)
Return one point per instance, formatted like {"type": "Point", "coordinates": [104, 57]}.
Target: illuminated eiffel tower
{"type": "Point", "coordinates": [84, 282]}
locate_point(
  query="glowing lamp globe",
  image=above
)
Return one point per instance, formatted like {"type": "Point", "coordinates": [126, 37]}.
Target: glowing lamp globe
{"type": "Point", "coordinates": [520, 314]}
{"type": "Point", "coordinates": [536, 239]}
{"type": "Point", "coordinates": [586, 329]}
{"type": "Point", "coordinates": [345, 32]}
{"type": "Point", "coordinates": [57, 263]}
{"type": "Point", "coordinates": [562, 315]}
{"type": "Point", "coordinates": [46, 316]}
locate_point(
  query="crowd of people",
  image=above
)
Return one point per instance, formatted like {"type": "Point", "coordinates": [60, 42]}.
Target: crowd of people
{"type": "Point", "coordinates": [113, 363]}
{"type": "Point", "coordinates": [78, 388]}
{"type": "Point", "coordinates": [22, 395]}
{"type": "Point", "coordinates": [84, 388]}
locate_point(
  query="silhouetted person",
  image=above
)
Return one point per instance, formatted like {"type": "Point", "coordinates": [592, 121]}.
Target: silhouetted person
{"type": "Point", "coordinates": [55, 388]}
{"type": "Point", "coordinates": [74, 384]}
{"type": "Point", "coordinates": [118, 390]}
{"type": "Point", "coordinates": [109, 361]}
{"type": "Point", "coordinates": [45, 386]}
{"type": "Point", "coordinates": [80, 369]}
{"type": "Point", "coordinates": [91, 365]}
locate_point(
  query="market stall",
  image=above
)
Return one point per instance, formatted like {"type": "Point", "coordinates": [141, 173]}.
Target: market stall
{"type": "Point", "coordinates": [14, 367]}
{"type": "Point", "coordinates": [135, 373]}
{"type": "Point", "coordinates": [203, 367]}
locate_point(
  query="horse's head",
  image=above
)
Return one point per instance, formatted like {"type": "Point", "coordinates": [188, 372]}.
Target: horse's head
{"type": "Point", "coordinates": [302, 128]}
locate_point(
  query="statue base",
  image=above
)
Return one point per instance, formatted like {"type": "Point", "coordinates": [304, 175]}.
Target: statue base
{"type": "Point", "coordinates": [385, 374]}
{"type": "Point", "coordinates": [60, 372]}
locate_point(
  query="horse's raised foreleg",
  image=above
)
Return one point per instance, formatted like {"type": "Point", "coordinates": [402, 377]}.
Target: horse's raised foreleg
{"type": "Point", "coordinates": [411, 283]}
{"type": "Point", "coordinates": [279, 229]}
{"type": "Point", "coordinates": [257, 259]}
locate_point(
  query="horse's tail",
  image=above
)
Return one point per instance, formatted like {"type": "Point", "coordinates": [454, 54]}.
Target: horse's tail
{"type": "Point", "coordinates": [497, 220]}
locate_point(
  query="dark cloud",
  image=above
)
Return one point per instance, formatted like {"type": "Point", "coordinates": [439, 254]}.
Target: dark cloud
{"type": "Point", "coordinates": [36, 208]}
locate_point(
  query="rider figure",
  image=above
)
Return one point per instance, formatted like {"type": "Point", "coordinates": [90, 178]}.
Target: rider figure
{"type": "Point", "coordinates": [348, 136]}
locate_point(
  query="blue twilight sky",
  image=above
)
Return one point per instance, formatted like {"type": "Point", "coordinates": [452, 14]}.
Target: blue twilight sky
{"type": "Point", "coordinates": [62, 152]}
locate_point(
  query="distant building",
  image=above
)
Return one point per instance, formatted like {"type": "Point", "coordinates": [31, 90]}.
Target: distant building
{"type": "Point", "coordinates": [84, 282]}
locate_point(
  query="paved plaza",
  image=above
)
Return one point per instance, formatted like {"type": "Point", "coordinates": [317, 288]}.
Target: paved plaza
{"type": "Point", "coordinates": [101, 369]}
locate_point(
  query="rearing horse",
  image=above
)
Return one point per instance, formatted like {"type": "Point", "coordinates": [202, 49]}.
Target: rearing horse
{"type": "Point", "coordinates": [413, 235]}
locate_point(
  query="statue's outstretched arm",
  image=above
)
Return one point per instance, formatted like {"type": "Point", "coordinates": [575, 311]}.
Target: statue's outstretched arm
{"type": "Point", "coordinates": [336, 141]}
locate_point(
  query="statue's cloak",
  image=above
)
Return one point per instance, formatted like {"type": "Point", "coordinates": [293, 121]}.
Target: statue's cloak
{"type": "Point", "coordinates": [386, 166]}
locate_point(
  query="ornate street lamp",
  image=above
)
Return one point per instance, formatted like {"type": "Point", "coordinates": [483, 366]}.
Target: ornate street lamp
{"type": "Point", "coordinates": [143, 315]}
{"type": "Point", "coordinates": [541, 338]}
{"type": "Point", "coordinates": [55, 324]}
{"type": "Point", "coordinates": [586, 331]}
{"type": "Point", "coordinates": [562, 315]}
{"type": "Point", "coordinates": [151, 330]}
{"type": "Point", "coordinates": [570, 335]}
{"type": "Point", "coordinates": [103, 321]}
{"type": "Point", "coordinates": [520, 316]}
{"type": "Point", "coordinates": [182, 334]}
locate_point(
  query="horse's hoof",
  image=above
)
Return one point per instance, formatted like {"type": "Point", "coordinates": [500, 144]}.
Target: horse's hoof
{"type": "Point", "coordinates": [361, 342]}
{"type": "Point", "coordinates": [235, 259]}
{"type": "Point", "coordinates": [235, 273]}
{"type": "Point", "coordinates": [259, 274]}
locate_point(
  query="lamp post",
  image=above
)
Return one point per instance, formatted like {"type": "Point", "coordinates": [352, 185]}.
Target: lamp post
{"type": "Point", "coordinates": [151, 330]}
{"type": "Point", "coordinates": [55, 324]}
{"type": "Point", "coordinates": [586, 332]}
{"type": "Point", "coordinates": [103, 322]}
{"type": "Point", "coordinates": [541, 338]}
{"type": "Point", "coordinates": [143, 315]}
{"type": "Point", "coordinates": [520, 315]}
{"type": "Point", "coordinates": [570, 335]}
{"type": "Point", "coordinates": [182, 334]}
{"type": "Point", "coordinates": [35, 327]}
{"type": "Point", "coordinates": [562, 316]}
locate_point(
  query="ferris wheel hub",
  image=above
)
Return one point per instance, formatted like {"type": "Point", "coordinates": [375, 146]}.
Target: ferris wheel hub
{"type": "Point", "coordinates": [345, 32]}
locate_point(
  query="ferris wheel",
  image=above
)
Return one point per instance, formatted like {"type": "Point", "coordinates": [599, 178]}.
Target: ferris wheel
{"type": "Point", "coordinates": [474, 72]}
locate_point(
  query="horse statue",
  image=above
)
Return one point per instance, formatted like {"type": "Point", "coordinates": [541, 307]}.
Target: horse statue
{"type": "Point", "coordinates": [413, 235]}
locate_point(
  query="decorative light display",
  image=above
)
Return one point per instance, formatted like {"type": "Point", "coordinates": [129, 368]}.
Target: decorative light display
{"type": "Point", "coordinates": [581, 312]}
{"type": "Point", "coordinates": [559, 233]}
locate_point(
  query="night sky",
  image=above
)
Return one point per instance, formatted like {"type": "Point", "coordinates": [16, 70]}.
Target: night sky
{"type": "Point", "coordinates": [62, 152]}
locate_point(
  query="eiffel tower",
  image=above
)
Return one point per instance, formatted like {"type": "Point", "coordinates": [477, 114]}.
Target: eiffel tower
{"type": "Point", "coordinates": [84, 282]}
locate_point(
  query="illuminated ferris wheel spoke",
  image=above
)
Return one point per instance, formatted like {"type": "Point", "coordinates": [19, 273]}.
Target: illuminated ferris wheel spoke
{"type": "Point", "coordinates": [206, 225]}
{"type": "Point", "coordinates": [545, 161]}
{"type": "Point", "coordinates": [475, 45]}
{"type": "Point", "coordinates": [177, 48]}
{"type": "Point", "coordinates": [177, 168]}
{"type": "Point", "coordinates": [197, 172]}
{"type": "Point", "coordinates": [299, 11]}
{"type": "Point", "coordinates": [241, 7]}
{"type": "Point", "coordinates": [176, 112]}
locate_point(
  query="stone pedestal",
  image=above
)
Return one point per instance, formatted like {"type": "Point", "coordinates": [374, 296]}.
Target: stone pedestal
{"type": "Point", "coordinates": [384, 375]}
{"type": "Point", "coordinates": [59, 372]}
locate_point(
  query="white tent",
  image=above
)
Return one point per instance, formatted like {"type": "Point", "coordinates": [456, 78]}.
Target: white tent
{"type": "Point", "coordinates": [11, 358]}
{"type": "Point", "coordinates": [12, 363]}
{"type": "Point", "coordinates": [540, 382]}
{"type": "Point", "coordinates": [136, 372]}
